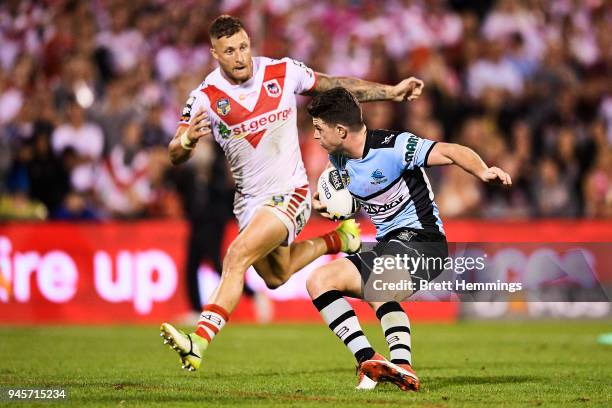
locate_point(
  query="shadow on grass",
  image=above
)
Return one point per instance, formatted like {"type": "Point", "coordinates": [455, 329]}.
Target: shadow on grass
{"type": "Point", "coordinates": [266, 374]}
{"type": "Point", "coordinates": [243, 398]}
{"type": "Point", "coordinates": [438, 383]}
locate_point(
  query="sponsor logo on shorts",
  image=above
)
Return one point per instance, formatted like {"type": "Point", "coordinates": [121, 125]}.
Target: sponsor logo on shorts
{"type": "Point", "coordinates": [300, 220]}
{"type": "Point", "coordinates": [278, 199]}
{"type": "Point", "coordinates": [223, 106]}
{"type": "Point", "coordinates": [406, 235]}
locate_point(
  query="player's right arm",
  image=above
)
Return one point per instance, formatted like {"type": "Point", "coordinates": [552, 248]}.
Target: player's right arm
{"type": "Point", "coordinates": [365, 91]}
{"type": "Point", "coordinates": [186, 137]}
{"type": "Point", "coordinates": [451, 153]}
{"type": "Point", "coordinates": [310, 83]}
{"type": "Point", "coordinates": [418, 152]}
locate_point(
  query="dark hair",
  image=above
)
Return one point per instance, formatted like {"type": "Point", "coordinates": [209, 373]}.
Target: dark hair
{"type": "Point", "coordinates": [224, 26]}
{"type": "Point", "coordinates": [337, 106]}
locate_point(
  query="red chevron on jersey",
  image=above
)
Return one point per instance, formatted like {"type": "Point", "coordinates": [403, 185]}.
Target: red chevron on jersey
{"type": "Point", "coordinates": [255, 124]}
{"type": "Point", "coordinates": [233, 113]}
{"type": "Point", "coordinates": [255, 138]}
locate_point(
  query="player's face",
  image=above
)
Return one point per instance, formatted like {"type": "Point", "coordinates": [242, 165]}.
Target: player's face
{"type": "Point", "coordinates": [330, 137]}
{"type": "Point", "coordinates": [234, 56]}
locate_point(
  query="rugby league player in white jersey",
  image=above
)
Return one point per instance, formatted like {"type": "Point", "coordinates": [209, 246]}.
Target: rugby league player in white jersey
{"type": "Point", "coordinates": [248, 105]}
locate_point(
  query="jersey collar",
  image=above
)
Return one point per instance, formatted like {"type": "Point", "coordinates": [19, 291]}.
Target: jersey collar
{"type": "Point", "coordinates": [368, 143]}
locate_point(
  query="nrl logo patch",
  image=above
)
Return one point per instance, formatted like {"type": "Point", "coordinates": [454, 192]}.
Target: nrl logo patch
{"type": "Point", "coordinates": [223, 106]}
{"type": "Point", "coordinates": [272, 88]}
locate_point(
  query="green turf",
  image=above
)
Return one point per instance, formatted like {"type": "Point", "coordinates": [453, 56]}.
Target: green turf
{"type": "Point", "coordinates": [468, 364]}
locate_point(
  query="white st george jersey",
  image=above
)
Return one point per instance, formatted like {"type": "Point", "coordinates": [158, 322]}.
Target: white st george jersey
{"type": "Point", "coordinates": [256, 124]}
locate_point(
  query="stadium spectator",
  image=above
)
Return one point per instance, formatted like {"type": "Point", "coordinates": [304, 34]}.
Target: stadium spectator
{"type": "Point", "coordinates": [49, 180]}
{"type": "Point", "coordinates": [526, 82]}
{"type": "Point", "coordinates": [552, 192]}
{"type": "Point", "coordinates": [86, 139]}
{"type": "Point", "coordinates": [187, 53]}
{"type": "Point", "coordinates": [11, 99]}
{"type": "Point", "coordinates": [124, 42]}
{"type": "Point", "coordinates": [153, 133]}
{"type": "Point", "coordinates": [493, 71]}
{"type": "Point", "coordinates": [123, 186]}
{"type": "Point", "coordinates": [75, 207]}
{"type": "Point", "coordinates": [113, 112]}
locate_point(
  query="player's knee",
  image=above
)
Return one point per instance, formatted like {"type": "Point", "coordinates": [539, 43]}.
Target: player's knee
{"type": "Point", "coordinates": [280, 273]}
{"type": "Point", "coordinates": [235, 258]}
{"type": "Point", "coordinates": [319, 282]}
{"type": "Point", "coordinates": [238, 251]}
{"type": "Point", "coordinates": [273, 282]}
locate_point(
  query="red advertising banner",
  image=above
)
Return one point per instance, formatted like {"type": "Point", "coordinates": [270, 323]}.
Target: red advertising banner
{"type": "Point", "coordinates": [102, 273]}
{"type": "Point", "coordinates": [92, 273]}
{"type": "Point", "coordinates": [493, 231]}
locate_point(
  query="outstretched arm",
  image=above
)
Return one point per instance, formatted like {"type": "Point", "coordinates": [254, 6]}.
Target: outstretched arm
{"type": "Point", "coordinates": [366, 91]}
{"type": "Point", "coordinates": [450, 153]}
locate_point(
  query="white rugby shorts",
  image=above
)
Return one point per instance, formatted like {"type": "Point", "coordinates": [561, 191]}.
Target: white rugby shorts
{"type": "Point", "coordinates": [292, 208]}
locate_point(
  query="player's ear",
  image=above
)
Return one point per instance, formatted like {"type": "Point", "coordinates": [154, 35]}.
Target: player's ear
{"type": "Point", "coordinates": [342, 131]}
{"type": "Point", "coordinates": [213, 52]}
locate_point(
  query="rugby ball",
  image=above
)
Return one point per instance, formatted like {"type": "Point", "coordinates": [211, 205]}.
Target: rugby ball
{"type": "Point", "coordinates": [334, 194]}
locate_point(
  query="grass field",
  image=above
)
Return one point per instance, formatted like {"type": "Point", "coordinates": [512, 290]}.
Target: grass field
{"type": "Point", "coordinates": [468, 364]}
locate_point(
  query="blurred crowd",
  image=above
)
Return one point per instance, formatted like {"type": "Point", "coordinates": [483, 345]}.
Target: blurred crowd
{"type": "Point", "coordinates": [90, 93]}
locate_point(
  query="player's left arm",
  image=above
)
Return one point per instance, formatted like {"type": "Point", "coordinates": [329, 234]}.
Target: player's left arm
{"type": "Point", "coordinates": [366, 91]}
{"type": "Point", "coordinates": [451, 153]}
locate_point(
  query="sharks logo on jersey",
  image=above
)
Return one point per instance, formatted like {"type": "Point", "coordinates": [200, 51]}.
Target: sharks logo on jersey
{"type": "Point", "coordinates": [390, 183]}
{"type": "Point", "coordinates": [378, 177]}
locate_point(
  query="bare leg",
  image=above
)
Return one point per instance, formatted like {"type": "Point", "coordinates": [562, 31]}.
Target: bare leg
{"type": "Point", "coordinates": [340, 275]}
{"type": "Point", "coordinates": [280, 264]}
{"type": "Point", "coordinates": [263, 234]}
